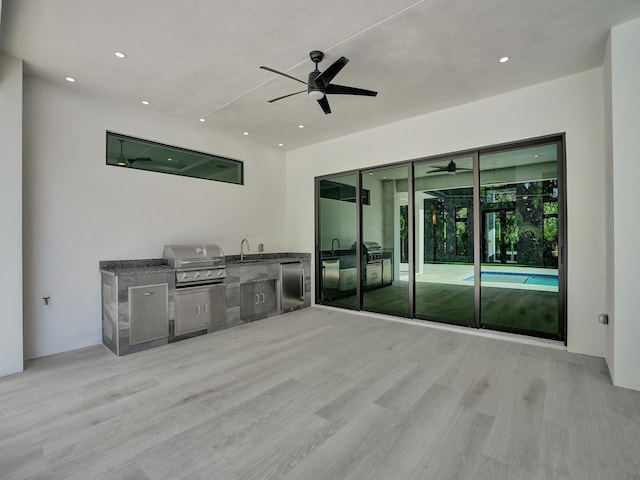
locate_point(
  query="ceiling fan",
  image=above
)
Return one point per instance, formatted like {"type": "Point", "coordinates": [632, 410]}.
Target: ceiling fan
{"type": "Point", "coordinates": [319, 83]}
{"type": "Point", "coordinates": [128, 162]}
{"type": "Point", "coordinates": [451, 168]}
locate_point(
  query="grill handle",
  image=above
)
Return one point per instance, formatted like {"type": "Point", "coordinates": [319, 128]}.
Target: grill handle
{"type": "Point", "coordinates": [196, 262]}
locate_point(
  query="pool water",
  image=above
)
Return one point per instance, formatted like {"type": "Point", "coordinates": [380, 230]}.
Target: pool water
{"type": "Point", "coordinates": [518, 278]}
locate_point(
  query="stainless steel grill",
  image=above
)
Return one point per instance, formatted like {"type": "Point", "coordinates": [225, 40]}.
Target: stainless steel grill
{"type": "Point", "coordinates": [372, 252]}
{"type": "Point", "coordinates": [196, 264]}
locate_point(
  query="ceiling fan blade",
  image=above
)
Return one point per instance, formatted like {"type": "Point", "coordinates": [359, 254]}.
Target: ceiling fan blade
{"type": "Point", "coordinates": [437, 169]}
{"type": "Point", "coordinates": [283, 74]}
{"type": "Point", "coordinates": [333, 69]}
{"type": "Point", "coordinates": [342, 90]}
{"type": "Point", "coordinates": [324, 103]}
{"type": "Point", "coordinates": [285, 96]}
{"type": "Point", "coordinates": [131, 161]}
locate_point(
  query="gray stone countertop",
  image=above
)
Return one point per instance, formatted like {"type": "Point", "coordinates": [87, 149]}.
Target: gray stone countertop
{"type": "Point", "coordinates": [155, 265]}
{"type": "Point", "coordinates": [134, 267]}
{"type": "Point", "coordinates": [263, 258]}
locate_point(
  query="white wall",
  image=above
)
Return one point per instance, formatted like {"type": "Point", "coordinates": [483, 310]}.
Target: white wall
{"type": "Point", "coordinates": [625, 129]}
{"type": "Point", "coordinates": [573, 105]}
{"type": "Point", "coordinates": [609, 225]}
{"type": "Point", "coordinates": [11, 215]}
{"type": "Point", "coordinates": [78, 211]}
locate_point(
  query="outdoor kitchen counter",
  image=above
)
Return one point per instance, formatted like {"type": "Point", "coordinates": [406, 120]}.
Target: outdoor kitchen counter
{"type": "Point", "coordinates": [126, 330]}
{"type": "Point", "coordinates": [155, 265]}
{"type": "Point", "coordinates": [263, 258]}
{"type": "Point", "coordinates": [134, 267]}
{"type": "Point", "coordinates": [255, 271]}
{"type": "Point", "coordinates": [262, 270]}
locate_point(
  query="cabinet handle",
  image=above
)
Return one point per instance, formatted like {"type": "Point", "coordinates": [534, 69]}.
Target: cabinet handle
{"type": "Point", "coordinates": [197, 310]}
{"type": "Point", "coordinates": [257, 299]}
{"type": "Point", "coordinates": [205, 308]}
{"type": "Point", "coordinates": [302, 284]}
{"type": "Point", "coordinates": [263, 296]}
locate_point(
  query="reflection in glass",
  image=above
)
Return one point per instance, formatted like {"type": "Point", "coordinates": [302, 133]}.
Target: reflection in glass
{"type": "Point", "coordinates": [129, 152]}
{"type": "Point", "coordinates": [385, 241]}
{"type": "Point", "coordinates": [444, 240]}
{"type": "Point", "coordinates": [519, 205]}
{"type": "Point", "coordinates": [482, 248]}
{"type": "Point", "coordinates": [337, 226]}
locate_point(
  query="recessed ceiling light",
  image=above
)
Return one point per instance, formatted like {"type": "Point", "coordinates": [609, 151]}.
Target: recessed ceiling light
{"type": "Point", "coordinates": [70, 79]}
{"type": "Point", "coordinates": [281, 144]}
{"type": "Point", "coordinates": [370, 173]}
{"type": "Point", "coordinates": [169, 159]}
{"type": "Point", "coordinates": [536, 156]}
{"type": "Point", "coordinates": [120, 55]}
{"type": "Point", "coordinates": [300, 126]}
{"type": "Point", "coordinates": [504, 59]}
{"type": "Point", "coordinates": [245, 133]}
{"type": "Point", "coordinates": [202, 120]}
{"type": "Point", "coordinates": [145, 102]}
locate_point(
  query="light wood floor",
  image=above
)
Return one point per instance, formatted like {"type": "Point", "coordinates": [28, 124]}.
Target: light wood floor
{"type": "Point", "coordinates": [319, 395]}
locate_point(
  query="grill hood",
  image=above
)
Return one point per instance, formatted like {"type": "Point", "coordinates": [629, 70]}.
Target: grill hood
{"type": "Point", "coordinates": [193, 256]}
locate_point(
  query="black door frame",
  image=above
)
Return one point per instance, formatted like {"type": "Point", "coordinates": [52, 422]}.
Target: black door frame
{"type": "Point", "coordinates": [558, 139]}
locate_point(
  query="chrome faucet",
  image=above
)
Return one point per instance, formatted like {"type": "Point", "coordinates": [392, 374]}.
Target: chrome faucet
{"type": "Point", "coordinates": [242, 248]}
{"type": "Point", "coordinates": [332, 242]}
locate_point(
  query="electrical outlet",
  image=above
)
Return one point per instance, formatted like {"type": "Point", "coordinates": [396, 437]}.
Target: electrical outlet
{"type": "Point", "coordinates": [261, 247]}
{"type": "Point", "coordinates": [603, 318]}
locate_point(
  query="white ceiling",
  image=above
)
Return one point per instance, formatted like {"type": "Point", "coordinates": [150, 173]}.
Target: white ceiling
{"type": "Point", "coordinates": [201, 58]}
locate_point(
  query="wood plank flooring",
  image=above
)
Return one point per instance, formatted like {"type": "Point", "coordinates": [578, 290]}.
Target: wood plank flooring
{"type": "Point", "coordinates": [532, 310]}
{"type": "Point", "coordinates": [320, 394]}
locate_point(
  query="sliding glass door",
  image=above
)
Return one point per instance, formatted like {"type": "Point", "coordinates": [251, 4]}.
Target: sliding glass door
{"type": "Point", "coordinates": [474, 239]}
{"type": "Point", "coordinates": [444, 233]}
{"type": "Point", "coordinates": [337, 228]}
{"type": "Point", "coordinates": [520, 204]}
{"type": "Point", "coordinates": [384, 256]}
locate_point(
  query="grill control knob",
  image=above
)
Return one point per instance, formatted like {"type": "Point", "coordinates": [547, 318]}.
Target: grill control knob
{"type": "Point", "coordinates": [219, 272]}
{"type": "Point", "coordinates": [208, 273]}
{"type": "Point", "coordinates": [197, 274]}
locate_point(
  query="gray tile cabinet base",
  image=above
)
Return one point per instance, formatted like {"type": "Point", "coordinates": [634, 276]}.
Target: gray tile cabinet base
{"type": "Point", "coordinates": [255, 287]}
{"type": "Point", "coordinates": [137, 307]}
{"type": "Point", "coordinates": [142, 293]}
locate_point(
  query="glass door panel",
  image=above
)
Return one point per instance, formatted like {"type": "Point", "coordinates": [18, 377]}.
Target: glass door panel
{"type": "Point", "coordinates": [444, 240]}
{"type": "Point", "coordinates": [437, 240]}
{"type": "Point", "coordinates": [337, 228]}
{"type": "Point", "coordinates": [385, 241]}
{"type": "Point", "coordinates": [519, 210]}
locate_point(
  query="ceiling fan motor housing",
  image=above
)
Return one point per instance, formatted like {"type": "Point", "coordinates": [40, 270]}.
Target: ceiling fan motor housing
{"type": "Point", "coordinates": [316, 56]}
{"type": "Point", "coordinates": [315, 88]}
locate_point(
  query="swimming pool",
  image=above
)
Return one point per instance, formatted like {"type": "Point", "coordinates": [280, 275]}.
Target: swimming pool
{"type": "Point", "coordinates": [517, 278]}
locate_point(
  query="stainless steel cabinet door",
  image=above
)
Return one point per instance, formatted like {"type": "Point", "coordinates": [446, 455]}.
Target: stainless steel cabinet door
{"type": "Point", "coordinates": [330, 273]}
{"type": "Point", "coordinates": [373, 276]}
{"type": "Point", "coordinates": [258, 299]}
{"type": "Point", "coordinates": [387, 271]}
{"type": "Point", "coordinates": [200, 309]}
{"type": "Point", "coordinates": [347, 279]}
{"type": "Point", "coordinates": [267, 293]}
{"type": "Point", "coordinates": [148, 313]}
{"type": "Point", "coordinates": [250, 300]}
{"type": "Point", "coordinates": [292, 285]}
